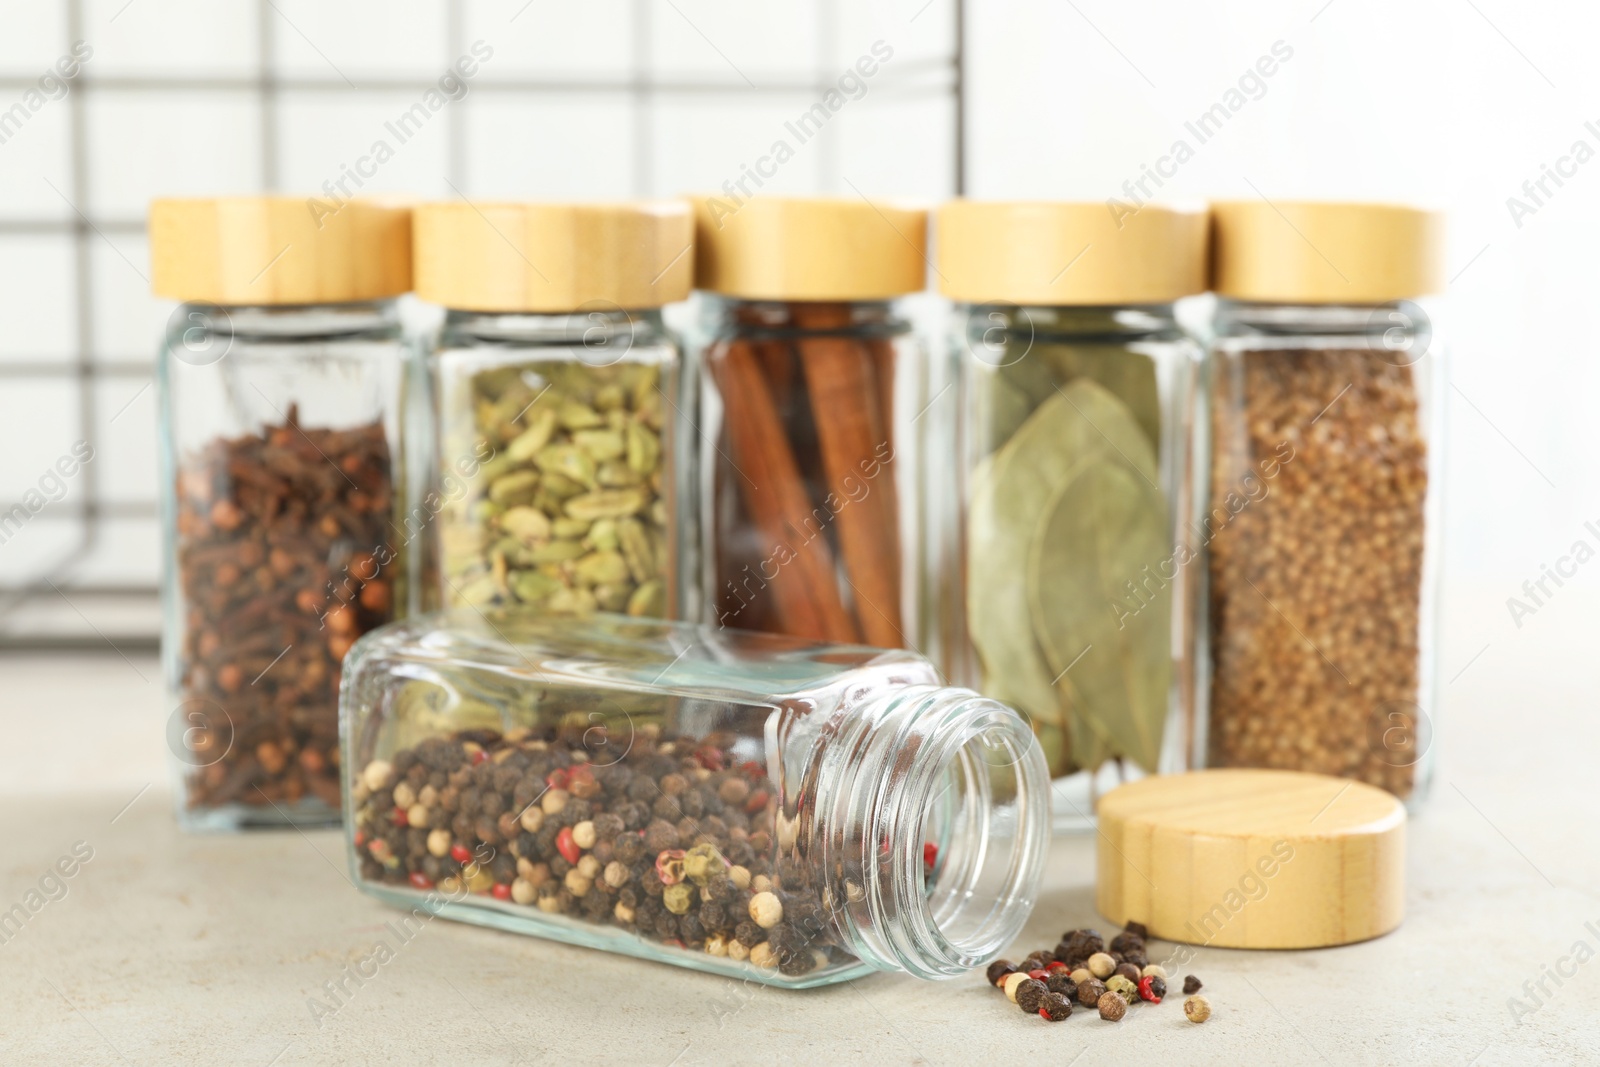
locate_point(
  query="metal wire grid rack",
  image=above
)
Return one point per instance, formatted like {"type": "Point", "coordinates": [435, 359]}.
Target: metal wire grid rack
{"type": "Point", "coordinates": [92, 576]}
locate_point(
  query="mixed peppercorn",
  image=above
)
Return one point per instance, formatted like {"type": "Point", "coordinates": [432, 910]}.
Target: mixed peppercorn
{"type": "Point", "coordinates": [675, 841]}
{"type": "Point", "coordinates": [1083, 969]}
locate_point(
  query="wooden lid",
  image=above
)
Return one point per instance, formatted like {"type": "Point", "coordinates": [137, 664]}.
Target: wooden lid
{"type": "Point", "coordinates": [809, 248]}
{"type": "Point", "coordinates": [1325, 253]}
{"type": "Point", "coordinates": [554, 257]}
{"type": "Point", "coordinates": [1060, 253]}
{"type": "Point", "coordinates": [254, 250]}
{"type": "Point", "coordinates": [1253, 858]}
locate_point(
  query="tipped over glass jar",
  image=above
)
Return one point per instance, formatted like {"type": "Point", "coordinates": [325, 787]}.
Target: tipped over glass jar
{"type": "Point", "coordinates": [760, 806]}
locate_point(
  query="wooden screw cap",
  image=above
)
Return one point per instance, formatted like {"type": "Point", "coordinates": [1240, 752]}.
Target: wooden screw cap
{"type": "Point", "coordinates": [1253, 858]}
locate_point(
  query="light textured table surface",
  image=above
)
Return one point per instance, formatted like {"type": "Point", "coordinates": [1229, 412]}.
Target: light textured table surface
{"type": "Point", "coordinates": [169, 949]}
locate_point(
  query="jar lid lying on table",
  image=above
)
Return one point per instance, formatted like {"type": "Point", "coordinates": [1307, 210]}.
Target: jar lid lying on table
{"type": "Point", "coordinates": [1062, 253]}
{"type": "Point", "coordinates": [810, 249]}
{"type": "Point", "coordinates": [1252, 858]}
{"type": "Point", "coordinates": [1325, 253]}
{"type": "Point", "coordinates": [275, 250]}
{"type": "Point", "coordinates": [554, 257]}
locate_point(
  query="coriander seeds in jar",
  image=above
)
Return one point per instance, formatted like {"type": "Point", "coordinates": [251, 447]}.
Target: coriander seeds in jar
{"type": "Point", "coordinates": [1324, 517]}
{"type": "Point", "coordinates": [280, 385]}
{"type": "Point", "coordinates": [1075, 477]}
{"type": "Point", "coordinates": [555, 398]}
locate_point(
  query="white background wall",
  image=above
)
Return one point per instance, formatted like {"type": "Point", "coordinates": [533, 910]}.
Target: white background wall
{"type": "Point", "coordinates": [1450, 102]}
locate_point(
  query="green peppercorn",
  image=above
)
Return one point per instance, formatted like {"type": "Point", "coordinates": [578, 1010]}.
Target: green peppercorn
{"type": "Point", "coordinates": [1119, 985]}
{"type": "Point", "coordinates": [678, 898]}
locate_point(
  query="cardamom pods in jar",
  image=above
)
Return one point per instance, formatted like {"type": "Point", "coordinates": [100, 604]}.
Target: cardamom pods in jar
{"type": "Point", "coordinates": [571, 511]}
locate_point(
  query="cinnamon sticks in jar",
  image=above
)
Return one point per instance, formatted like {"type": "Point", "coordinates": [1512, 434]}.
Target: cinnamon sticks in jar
{"type": "Point", "coordinates": [810, 380]}
{"type": "Point", "coordinates": [805, 526]}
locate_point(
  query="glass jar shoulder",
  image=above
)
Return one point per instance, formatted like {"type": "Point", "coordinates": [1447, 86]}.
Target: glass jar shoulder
{"type": "Point", "coordinates": [613, 651]}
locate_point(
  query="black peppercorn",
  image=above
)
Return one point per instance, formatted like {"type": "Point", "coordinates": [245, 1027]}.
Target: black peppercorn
{"type": "Point", "coordinates": [1158, 986]}
{"type": "Point", "coordinates": [1138, 930]}
{"type": "Point", "coordinates": [1191, 984]}
{"type": "Point", "coordinates": [1129, 971]}
{"type": "Point", "coordinates": [998, 970]}
{"type": "Point", "coordinates": [1089, 992]}
{"type": "Point", "coordinates": [1055, 1007]}
{"type": "Point", "coordinates": [1079, 945]}
{"type": "Point", "coordinates": [1030, 994]}
{"type": "Point", "coordinates": [1061, 982]}
{"type": "Point", "coordinates": [749, 934]}
{"type": "Point", "coordinates": [1125, 941]}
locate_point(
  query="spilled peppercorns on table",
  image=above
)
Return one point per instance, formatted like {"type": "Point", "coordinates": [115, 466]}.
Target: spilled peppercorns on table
{"type": "Point", "coordinates": [675, 841]}
{"type": "Point", "coordinates": [1083, 969]}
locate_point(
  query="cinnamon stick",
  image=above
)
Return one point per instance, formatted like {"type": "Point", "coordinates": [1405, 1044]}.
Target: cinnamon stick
{"type": "Point", "coordinates": [803, 583]}
{"type": "Point", "coordinates": [841, 379]}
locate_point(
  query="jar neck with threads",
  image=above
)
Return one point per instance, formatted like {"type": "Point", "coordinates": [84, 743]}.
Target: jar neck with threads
{"type": "Point", "coordinates": [1008, 325]}
{"type": "Point", "coordinates": [722, 316]}
{"type": "Point", "coordinates": [929, 824]}
{"type": "Point", "coordinates": [607, 331]}
{"type": "Point", "coordinates": [287, 323]}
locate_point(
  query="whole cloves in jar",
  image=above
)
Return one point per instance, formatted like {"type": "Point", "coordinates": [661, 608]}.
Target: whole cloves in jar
{"type": "Point", "coordinates": [280, 386]}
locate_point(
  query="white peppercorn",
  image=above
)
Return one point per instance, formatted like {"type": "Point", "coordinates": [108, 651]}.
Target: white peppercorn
{"type": "Point", "coordinates": [1197, 1009]}
{"type": "Point", "coordinates": [763, 955]}
{"type": "Point", "coordinates": [583, 834]}
{"type": "Point", "coordinates": [766, 909]}
{"type": "Point", "coordinates": [1102, 966]}
{"type": "Point", "coordinates": [439, 842]}
{"type": "Point", "coordinates": [523, 892]}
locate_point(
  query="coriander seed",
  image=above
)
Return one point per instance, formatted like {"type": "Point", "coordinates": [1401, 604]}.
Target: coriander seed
{"type": "Point", "coordinates": [1197, 1009]}
{"type": "Point", "coordinates": [1111, 1006]}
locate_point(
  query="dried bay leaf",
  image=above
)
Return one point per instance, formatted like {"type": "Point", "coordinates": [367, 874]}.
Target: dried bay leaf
{"type": "Point", "coordinates": [1100, 530]}
{"type": "Point", "coordinates": [999, 526]}
{"type": "Point", "coordinates": [1012, 611]}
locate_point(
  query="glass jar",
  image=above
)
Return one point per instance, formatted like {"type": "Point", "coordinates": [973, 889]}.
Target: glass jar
{"type": "Point", "coordinates": [1323, 523]}
{"type": "Point", "coordinates": [1075, 480]}
{"type": "Point", "coordinates": [811, 384]}
{"type": "Point", "coordinates": [760, 806]}
{"type": "Point", "coordinates": [556, 400]}
{"type": "Point", "coordinates": [281, 399]}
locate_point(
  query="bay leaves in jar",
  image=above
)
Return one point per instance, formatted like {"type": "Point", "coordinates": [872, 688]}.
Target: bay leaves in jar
{"type": "Point", "coordinates": [1099, 531]}
{"type": "Point", "coordinates": [1023, 641]}
{"type": "Point", "coordinates": [1002, 514]}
